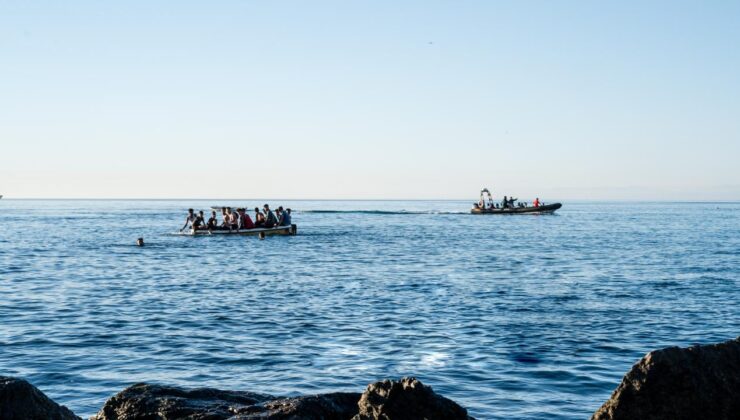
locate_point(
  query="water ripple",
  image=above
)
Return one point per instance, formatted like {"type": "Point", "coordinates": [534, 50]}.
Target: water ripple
{"type": "Point", "coordinates": [514, 317]}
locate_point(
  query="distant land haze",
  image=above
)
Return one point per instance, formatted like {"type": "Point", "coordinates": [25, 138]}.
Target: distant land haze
{"type": "Point", "coordinates": [328, 99]}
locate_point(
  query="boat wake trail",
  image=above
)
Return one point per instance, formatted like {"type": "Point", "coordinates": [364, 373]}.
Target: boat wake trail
{"type": "Point", "coordinates": [384, 212]}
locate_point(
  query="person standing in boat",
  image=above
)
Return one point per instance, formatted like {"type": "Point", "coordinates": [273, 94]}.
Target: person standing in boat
{"type": "Point", "coordinates": [511, 202]}
{"type": "Point", "coordinates": [270, 219]}
{"type": "Point", "coordinates": [504, 203]}
{"type": "Point", "coordinates": [536, 202]}
{"type": "Point", "coordinates": [188, 220]}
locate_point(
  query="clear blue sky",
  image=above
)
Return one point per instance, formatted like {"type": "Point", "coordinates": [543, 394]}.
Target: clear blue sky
{"type": "Point", "coordinates": [370, 99]}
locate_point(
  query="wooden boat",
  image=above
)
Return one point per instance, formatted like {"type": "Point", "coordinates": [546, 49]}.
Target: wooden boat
{"type": "Point", "coordinates": [277, 230]}
{"type": "Point", "coordinates": [548, 208]}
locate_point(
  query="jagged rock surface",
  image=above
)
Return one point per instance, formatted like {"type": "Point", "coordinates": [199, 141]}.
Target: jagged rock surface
{"type": "Point", "coordinates": [335, 406]}
{"type": "Point", "coordinates": [700, 382]}
{"type": "Point", "coordinates": [407, 399]}
{"type": "Point", "coordinates": [19, 400]}
{"type": "Point", "coordinates": [155, 402]}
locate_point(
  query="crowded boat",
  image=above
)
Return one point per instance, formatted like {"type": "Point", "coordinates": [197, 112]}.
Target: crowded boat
{"type": "Point", "coordinates": [237, 220]}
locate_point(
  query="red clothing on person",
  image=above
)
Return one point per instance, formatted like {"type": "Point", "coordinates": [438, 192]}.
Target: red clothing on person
{"type": "Point", "coordinates": [536, 202]}
{"type": "Point", "coordinates": [247, 222]}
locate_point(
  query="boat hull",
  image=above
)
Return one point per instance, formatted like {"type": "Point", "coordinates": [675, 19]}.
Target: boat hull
{"type": "Point", "coordinates": [278, 230]}
{"type": "Point", "coordinates": [549, 208]}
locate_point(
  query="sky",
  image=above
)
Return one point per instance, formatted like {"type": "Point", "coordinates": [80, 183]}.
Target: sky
{"type": "Point", "coordinates": [370, 99]}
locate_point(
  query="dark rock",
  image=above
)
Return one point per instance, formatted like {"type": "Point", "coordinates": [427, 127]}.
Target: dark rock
{"type": "Point", "coordinates": [701, 382]}
{"type": "Point", "coordinates": [407, 399]}
{"type": "Point", "coordinates": [143, 401]}
{"type": "Point", "coordinates": [154, 402]}
{"type": "Point", "coordinates": [20, 400]}
{"type": "Point", "coordinates": [335, 406]}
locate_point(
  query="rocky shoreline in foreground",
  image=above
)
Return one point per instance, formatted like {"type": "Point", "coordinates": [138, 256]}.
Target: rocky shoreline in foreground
{"type": "Point", "coordinates": [672, 383]}
{"type": "Point", "coordinates": [407, 398]}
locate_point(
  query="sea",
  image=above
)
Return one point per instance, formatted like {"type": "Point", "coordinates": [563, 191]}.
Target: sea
{"type": "Point", "coordinates": [513, 317]}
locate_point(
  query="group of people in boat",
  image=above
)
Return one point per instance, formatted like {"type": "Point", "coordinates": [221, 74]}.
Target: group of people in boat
{"type": "Point", "coordinates": [506, 203]}
{"type": "Point", "coordinates": [238, 219]}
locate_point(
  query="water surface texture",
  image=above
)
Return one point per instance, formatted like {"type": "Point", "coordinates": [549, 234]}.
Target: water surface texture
{"type": "Point", "coordinates": [511, 316]}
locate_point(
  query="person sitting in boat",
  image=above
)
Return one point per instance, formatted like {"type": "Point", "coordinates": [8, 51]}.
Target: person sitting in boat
{"type": "Point", "coordinates": [224, 219]}
{"type": "Point", "coordinates": [536, 202]}
{"type": "Point", "coordinates": [270, 219]}
{"type": "Point", "coordinates": [235, 220]}
{"type": "Point", "coordinates": [259, 218]}
{"type": "Point", "coordinates": [225, 216]}
{"type": "Point", "coordinates": [200, 221]}
{"type": "Point", "coordinates": [212, 221]}
{"type": "Point", "coordinates": [188, 220]}
{"type": "Point", "coordinates": [247, 222]}
{"type": "Point", "coordinates": [284, 219]}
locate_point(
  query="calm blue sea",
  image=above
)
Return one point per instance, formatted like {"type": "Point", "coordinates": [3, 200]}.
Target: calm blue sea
{"type": "Point", "coordinates": [512, 316]}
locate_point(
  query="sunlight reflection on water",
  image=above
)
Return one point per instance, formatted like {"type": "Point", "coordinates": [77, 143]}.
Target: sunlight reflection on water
{"type": "Point", "coordinates": [511, 316]}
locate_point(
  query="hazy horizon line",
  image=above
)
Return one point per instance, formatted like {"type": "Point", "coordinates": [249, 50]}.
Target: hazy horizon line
{"type": "Point", "coordinates": [615, 200]}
